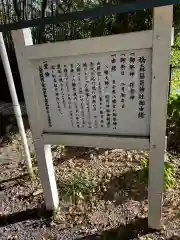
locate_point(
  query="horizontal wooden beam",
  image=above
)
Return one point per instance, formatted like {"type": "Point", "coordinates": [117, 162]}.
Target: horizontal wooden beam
{"type": "Point", "coordinates": [128, 6]}
{"type": "Point", "coordinates": [101, 141]}
{"type": "Point", "coordinates": [135, 40]}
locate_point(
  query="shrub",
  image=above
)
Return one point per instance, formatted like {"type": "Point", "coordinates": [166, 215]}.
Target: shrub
{"type": "Point", "coordinates": [173, 123]}
{"type": "Point", "coordinates": [169, 179]}
{"type": "Point", "coordinates": [76, 188]}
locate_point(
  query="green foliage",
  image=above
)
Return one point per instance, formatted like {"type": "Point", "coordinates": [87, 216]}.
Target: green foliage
{"type": "Point", "coordinates": [175, 63]}
{"type": "Point", "coordinates": [173, 123]}
{"type": "Point", "coordinates": [175, 82]}
{"type": "Point", "coordinates": [173, 120]}
{"type": "Point", "coordinates": [76, 188]}
{"type": "Point", "coordinates": [169, 180]}
{"type": "Point", "coordinates": [174, 106]}
{"type": "Point", "coordinates": [143, 170]}
{"type": "Point", "coordinates": [175, 52]}
{"type": "Point", "coordinates": [58, 148]}
{"type": "Point", "coordinates": [56, 214]}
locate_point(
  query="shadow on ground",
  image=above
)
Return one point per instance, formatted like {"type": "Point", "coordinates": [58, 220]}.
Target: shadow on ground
{"type": "Point", "coordinates": [20, 180]}
{"type": "Point", "coordinates": [29, 214]}
{"type": "Point", "coordinates": [174, 238]}
{"type": "Point", "coordinates": [19, 177]}
{"type": "Point", "coordinates": [126, 186]}
{"type": "Point", "coordinates": [134, 229]}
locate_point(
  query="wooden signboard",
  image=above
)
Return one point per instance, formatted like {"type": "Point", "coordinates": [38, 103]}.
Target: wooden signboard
{"type": "Point", "coordinates": [101, 92]}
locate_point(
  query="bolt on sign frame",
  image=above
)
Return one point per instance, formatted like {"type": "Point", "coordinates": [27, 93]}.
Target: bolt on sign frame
{"type": "Point", "coordinates": [48, 129]}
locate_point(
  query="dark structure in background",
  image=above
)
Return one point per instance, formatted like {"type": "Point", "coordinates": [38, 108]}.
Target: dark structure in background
{"type": "Point", "coordinates": [73, 19]}
{"type": "Point", "coordinates": [4, 89]}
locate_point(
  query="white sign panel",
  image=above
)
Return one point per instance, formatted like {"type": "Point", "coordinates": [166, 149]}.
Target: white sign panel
{"type": "Point", "coordinates": [107, 93]}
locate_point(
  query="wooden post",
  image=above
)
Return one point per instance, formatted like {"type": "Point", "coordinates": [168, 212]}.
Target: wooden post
{"type": "Point", "coordinates": [23, 38]}
{"type": "Point", "coordinates": [159, 94]}
{"type": "Point", "coordinates": [16, 106]}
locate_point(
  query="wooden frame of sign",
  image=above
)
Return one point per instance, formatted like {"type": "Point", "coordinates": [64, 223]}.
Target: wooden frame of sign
{"type": "Point", "coordinates": [148, 132]}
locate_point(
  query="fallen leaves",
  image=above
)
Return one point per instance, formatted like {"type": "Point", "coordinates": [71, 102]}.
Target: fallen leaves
{"type": "Point", "coordinates": [108, 195]}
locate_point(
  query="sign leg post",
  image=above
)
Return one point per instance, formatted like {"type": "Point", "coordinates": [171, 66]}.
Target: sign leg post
{"type": "Point", "coordinates": [23, 38]}
{"type": "Point", "coordinates": [46, 171]}
{"type": "Point", "coordinates": [16, 106]}
{"type": "Point", "coordinates": [156, 185]}
{"type": "Point", "coordinates": [159, 95]}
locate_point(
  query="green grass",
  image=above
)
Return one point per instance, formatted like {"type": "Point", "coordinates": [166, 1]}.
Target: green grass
{"type": "Point", "coordinates": [169, 179]}
{"type": "Point", "coordinates": [76, 188]}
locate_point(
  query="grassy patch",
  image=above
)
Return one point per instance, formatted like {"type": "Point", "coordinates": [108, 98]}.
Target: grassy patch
{"type": "Point", "coordinates": [169, 179]}
{"type": "Point", "coordinates": [58, 149]}
{"type": "Point", "coordinates": [76, 188]}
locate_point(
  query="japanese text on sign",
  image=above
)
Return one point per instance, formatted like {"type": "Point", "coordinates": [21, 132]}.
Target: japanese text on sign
{"type": "Point", "coordinates": [100, 93]}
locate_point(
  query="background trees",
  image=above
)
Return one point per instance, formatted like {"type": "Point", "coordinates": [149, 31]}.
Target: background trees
{"type": "Point", "coordinates": [17, 10]}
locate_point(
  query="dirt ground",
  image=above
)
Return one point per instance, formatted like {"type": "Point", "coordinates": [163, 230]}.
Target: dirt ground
{"type": "Point", "coordinates": [112, 206]}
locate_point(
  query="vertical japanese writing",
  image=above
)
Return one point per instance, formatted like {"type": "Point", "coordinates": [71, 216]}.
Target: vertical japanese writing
{"type": "Point", "coordinates": [59, 73]}
{"type": "Point", "coordinates": [55, 84]}
{"type": "Point", "coordinates": [69, 100]}
{"type": "Point", "coordinates": [107, 95]}
{"type": "Point", "coordinates": [82, 98]}
{"type": "Point", "coordinates": [131, 75]}
{"type": "Point", "coordinates": [99, 74]}
{"type": "Point", "coordinates": [107, 99]}
{"type": "Point", "coordinates": [106, 73]}
{"type": "Point", "coordinates": [112, 114]}
{"type": "Point", "coordinates": [75, 93]}
{"type": "Point", "coordinates": [79, 97]}
{"type": "Point", "coordinates": [93, 94]}
{"type": "Point", "coordinates": [122, 63]}
{"type": "Point", "coordinates": [97, 93]}
{"type": "Point", "coordinates": [122, 85]}
{"type": "Point", "coordinates": [142, 102]}
{"type": "Point", "coordinates": [44, 91]}
{"type": "Point", "coordinates": [87, 95]}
